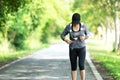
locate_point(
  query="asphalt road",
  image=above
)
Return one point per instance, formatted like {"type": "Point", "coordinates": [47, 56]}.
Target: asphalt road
{"type": "Point", "coordinates": [51, 63]}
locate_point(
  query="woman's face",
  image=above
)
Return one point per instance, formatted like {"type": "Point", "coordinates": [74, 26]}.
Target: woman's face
{"type": "Point", "coordinates": [75, 24]}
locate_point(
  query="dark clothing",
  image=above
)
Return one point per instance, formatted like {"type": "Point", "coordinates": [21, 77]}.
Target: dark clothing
{"type": "Point", "coordinates": [77, 48]}
{"type": "Point", "coordinates": [75, 34]}
{"type": "Point", "coordinates": [80, 53]}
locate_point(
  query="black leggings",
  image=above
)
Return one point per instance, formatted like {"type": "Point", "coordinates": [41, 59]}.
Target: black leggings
{"type": "Point", "coordinates": [81, 54]}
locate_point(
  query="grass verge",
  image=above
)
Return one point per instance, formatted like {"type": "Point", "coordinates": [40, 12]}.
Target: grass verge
{"type": "Point", "coordinates": [102, 53]}
{"type": "Point", "coordinates": [6, 57]}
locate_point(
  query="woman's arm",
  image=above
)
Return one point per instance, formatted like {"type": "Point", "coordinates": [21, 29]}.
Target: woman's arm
{"type": "Point", "coordinates": [64, 33]}
{"type": "Point", "coordinates": [86, 32]}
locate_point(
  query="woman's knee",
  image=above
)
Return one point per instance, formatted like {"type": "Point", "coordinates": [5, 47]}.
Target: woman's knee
{"type": "Point", "coordinates": [81, 67]}
{"type": "Point", "coordinates": [74, 68]}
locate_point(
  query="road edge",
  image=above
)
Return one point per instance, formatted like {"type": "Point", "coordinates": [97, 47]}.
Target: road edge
{"type": "Point", "coordinates": [12, 62]}
{"type": "Point", "coordinates": [93, 68]}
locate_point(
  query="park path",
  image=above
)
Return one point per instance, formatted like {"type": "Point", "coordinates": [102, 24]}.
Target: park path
{"type": "Point", "coordinates": [51, 63]}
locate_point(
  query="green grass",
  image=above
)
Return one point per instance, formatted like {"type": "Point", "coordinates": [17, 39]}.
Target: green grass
{"type": "Point", "coordinates": [100, 52]}
{"type": "Point", "coordinates": [5, 56]}
{"type": "Point", "coordinates": [9, 56]}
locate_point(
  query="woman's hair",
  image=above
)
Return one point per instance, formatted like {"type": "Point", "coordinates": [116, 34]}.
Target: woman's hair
{"type": "Point", "coordinates": [76, 18]}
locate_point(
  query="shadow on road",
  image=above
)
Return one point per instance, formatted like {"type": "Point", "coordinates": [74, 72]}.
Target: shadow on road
{"type": "Point", "coordinates": [48, 64]}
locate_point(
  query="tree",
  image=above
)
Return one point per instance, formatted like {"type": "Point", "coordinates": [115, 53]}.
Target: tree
{"type": "Point", "coordinates": [8, 7]}
{"type": "Point", "coordinates": [30, 24]}
{"type": "Point", "coordinates": [111, 9]}
{"type": "Point", "coordinates": [104, 12]}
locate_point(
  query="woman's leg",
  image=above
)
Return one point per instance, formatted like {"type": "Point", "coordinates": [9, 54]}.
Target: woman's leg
{"type": "Point", "coordinates": [82, 74]}
{"type": "Point", "coordinates": [73, 61]}
{"type": "Point", "coordinates": [74, 75]}
{"type": "Point", "coordinates": [82, 55]}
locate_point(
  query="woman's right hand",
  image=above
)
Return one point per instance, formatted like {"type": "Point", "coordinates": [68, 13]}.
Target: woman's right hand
{"type": "Point", "coordinates": [82, 38]}
{"type": "Point", "coordinates": [68, 41]}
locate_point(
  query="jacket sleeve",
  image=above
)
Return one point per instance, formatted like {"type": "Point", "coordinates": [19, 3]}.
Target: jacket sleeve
{"type": "Point", "coordinates": [86, 32]}
{"type": "Point", "coordinates": [65, 32]}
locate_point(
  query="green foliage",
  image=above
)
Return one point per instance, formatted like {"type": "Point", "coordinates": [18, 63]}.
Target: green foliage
{"type": "Point", "coordinates": [41, 20]}
{"type": "Point", "coordinates": [32, 21]}
{"type": "Point", "coordinates": [4, 57]}
{"type": "Point", "coordinates": [86, 9]}
{"type": "Point", "coordinates": [9, 6]}
{"type": "Point", "coordinates": [94, 12]}
{"type": "Point", "coordinates": [46, 31]}
{"type": "Point", "coordinates": [8, 11]}
{"type": "Point", "coordinates": [54, 17]}
{"type": "Point", "coordinates": [109, 7]}
{"type": "Point", "coordinates": [18, 31]}
{"type": "Point", "coordinates": [103, 54]}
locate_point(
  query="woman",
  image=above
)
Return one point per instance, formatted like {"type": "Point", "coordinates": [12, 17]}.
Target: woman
{"type": "Point", "coordinates": [77, 47]}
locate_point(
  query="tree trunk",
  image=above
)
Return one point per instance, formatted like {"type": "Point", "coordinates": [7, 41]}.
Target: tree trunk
{"type": "Point", "coordinates": [5, 43]}
{"type": "Point", "coordinates": [116, 32]}
{"type": "Point", "coordinates": [119, 37]}
{"type": "Point", "coordinates": [107, 31]}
